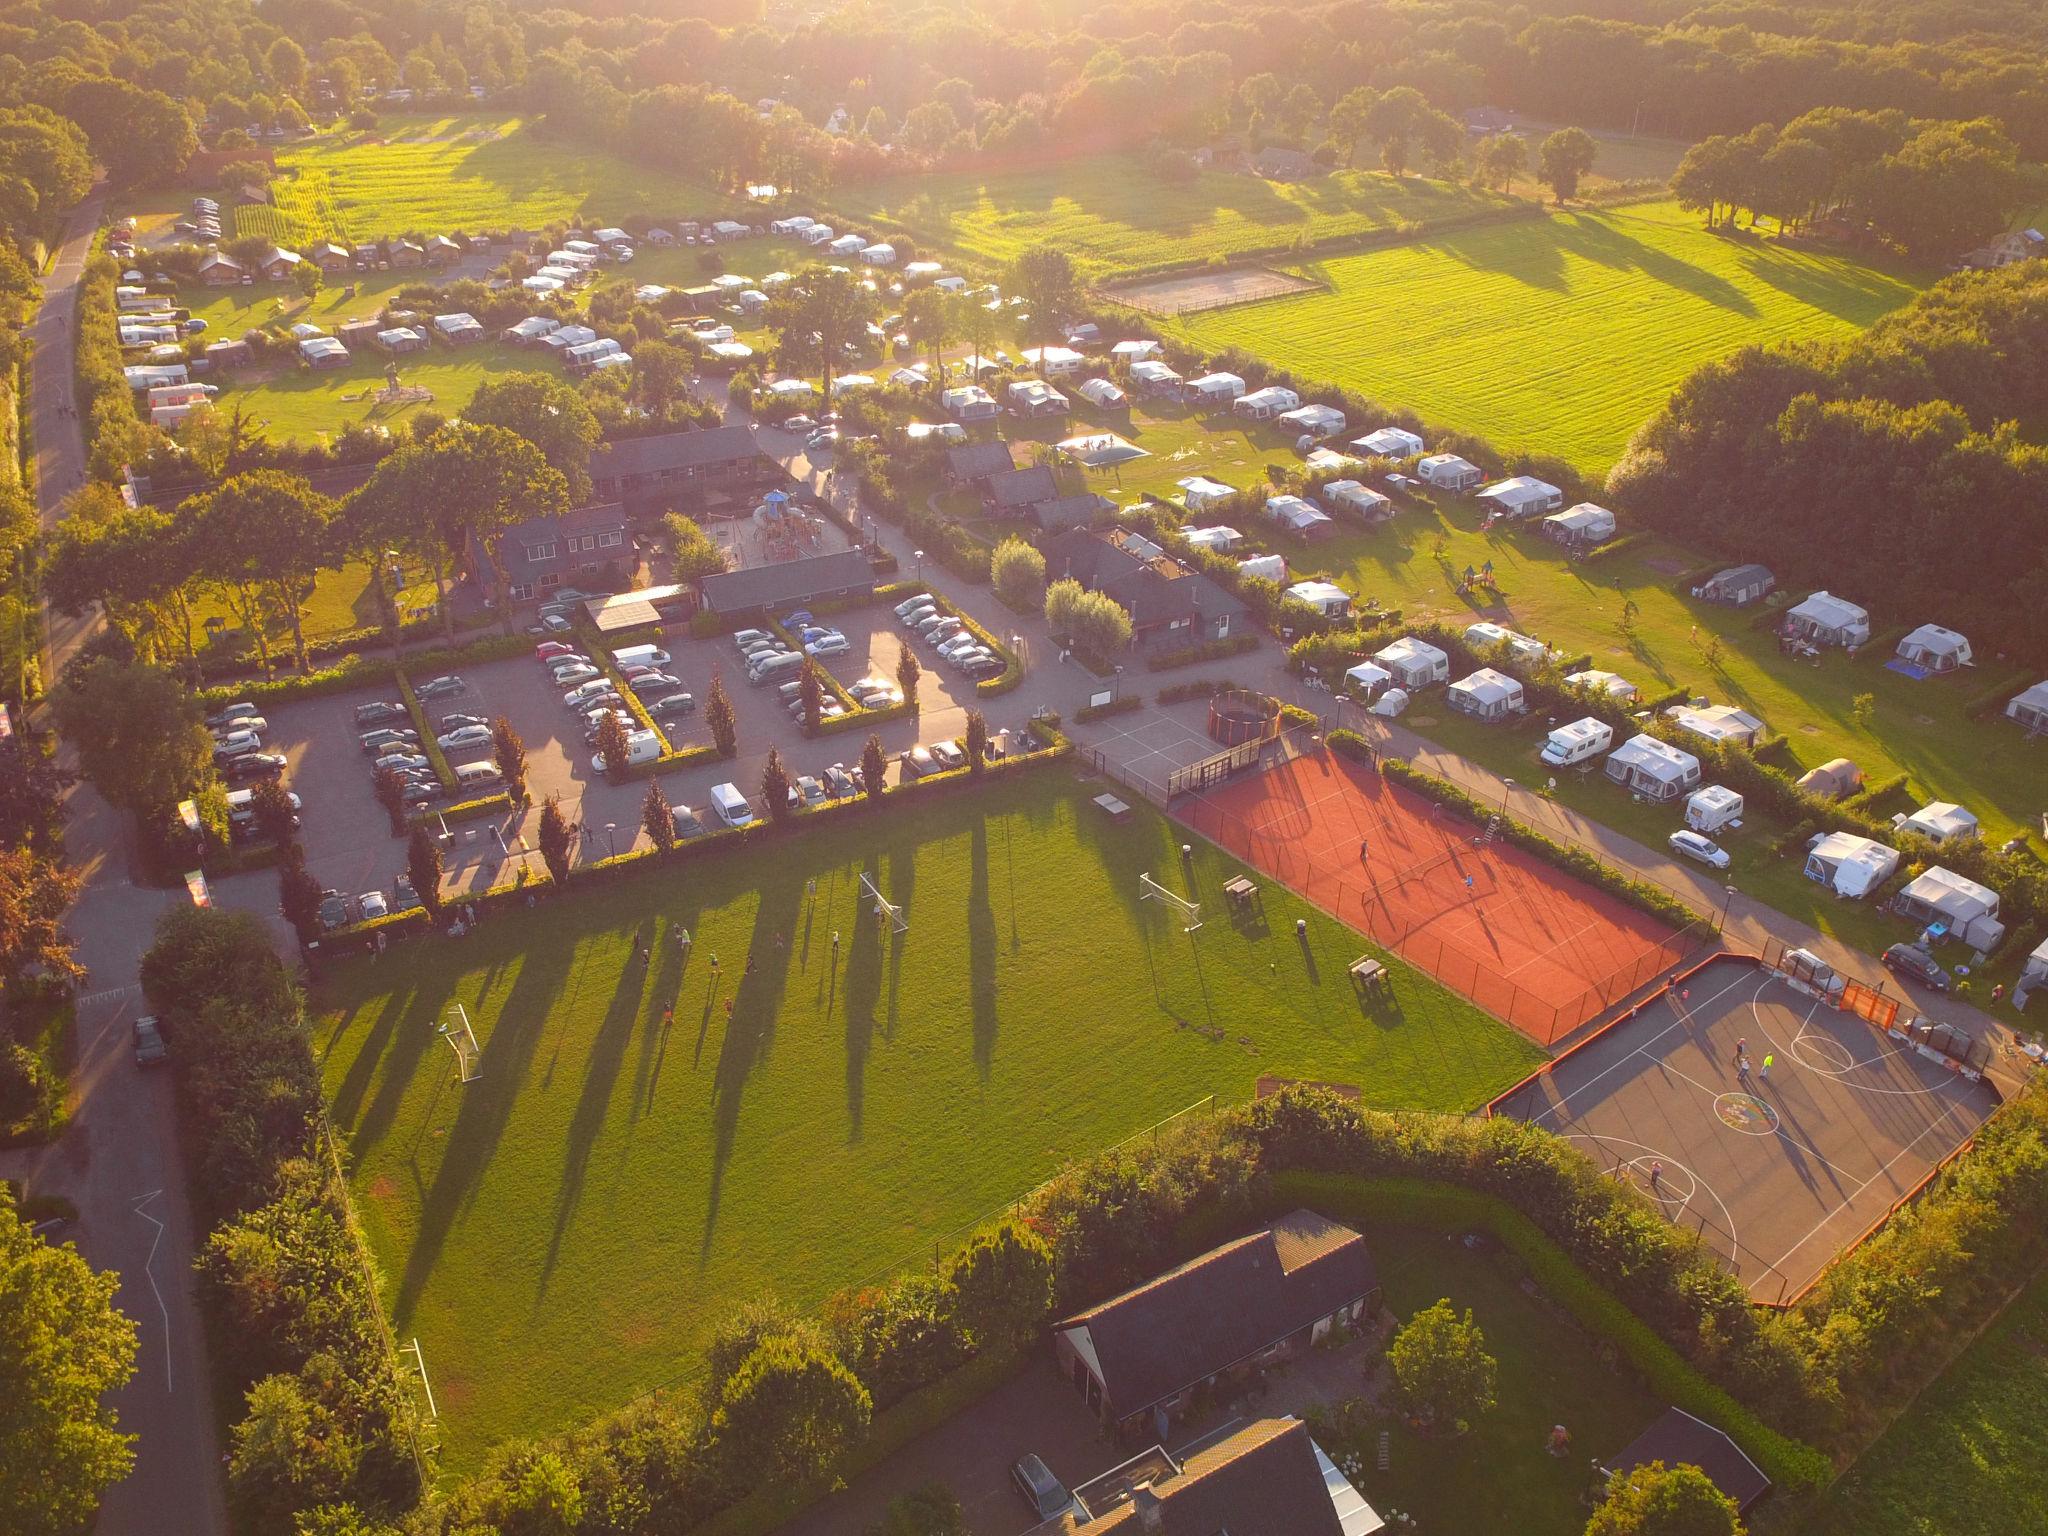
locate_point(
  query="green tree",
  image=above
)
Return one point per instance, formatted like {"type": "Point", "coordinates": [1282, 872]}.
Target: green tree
{"type": "Point", "coordinates": [308, 278]}
{"type": "Point", "coordinates": [1657, 1500]}
{"type": "Point", "coordinates": [907, 674]}
{"type": "Point", "coordinates": [423, 863]}
{"type": "Point", "coordinates": [271, 805]}
{"type": "Point", "coordinates": [262, 539]}
{"type": "Point", "coordinates": [298, 894]}
{"type": "Point", "coordinates": [63, 1349]}
{"type": "Point", "coordinates": [1017, 572]}
{"type": "Point", "coordinates": [510, 752]}
{"type": "Point", "coordinates": [661, 375]}
{"type": "Point", "coordinates": [138, 734]}
{"type": "Point", "coordinates": [811, 691]}
{"type": "Point", "coordinates": [814, 316]}
{"type": "Point", "coordinates": [788, 1410]}
{"type": "Point", "coordinates": [548, 412]}
{"type": "Point", "coordinates": [930, 1510]}
{"type": "Point", "coordinates": [1001, 1286]}
{"type": "Point", "coordinates": [389, 789]}
{"type": "Point", "coordinates": [291, 1451]}
{"type": "Point", "coordinates": [1062, 602]}
{"type": "Point", "coordinates": [141, 136]}
{"type": "Point", "coordinates": [1502, 158]}
{"type": "Point", "coordinates": [32, 787]}
{"type": "Point", "coordinates": [1100, 625]}
{"type": "Point", "coordinates": [719, 718]}
{"type": "Point", "coordinates": [1564, 158]}
{"type": "Point", "coordinates": [25, 1088]}
{"type": "Point", "coordinates": [140, 564]}
{"type": "Point", "coordinates": [976, 739]}
{"type": "Point", "coordinates": [555, 841]}
{"type": "Point", "coordinates": [1044, 277]}
{"type": "Point", "coordinates": [546, 1499]}
{"type": "Point", "coordinates": [693, 552]}
{"type": "Point", "coordinates": [931, 317]}
{"type": "Point", "coordinates": [658, 816]}
{"type": "Point", "coordinates": [775, 786]}
{"type": "Point", "coordinates": [612, 745]}
{"type": "Point", "coordinates": [1442, 1372]}
{"type": "Point", "coordinates": [874, 768]}
{"type": "Point", "coordinates": [285, 63]}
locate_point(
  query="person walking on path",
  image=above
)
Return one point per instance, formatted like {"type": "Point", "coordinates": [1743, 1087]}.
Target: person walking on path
{"type": "Point", "coordinates": [1741, 1048]}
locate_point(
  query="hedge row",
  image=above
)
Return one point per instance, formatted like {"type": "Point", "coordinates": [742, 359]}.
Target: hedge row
{"type": "Point", "coordinates": [1208, 650]}
{"type": "Point", "coordinates": [360, 671]}
{"type": "Point", "coordinates": [435, 756]}
{"type": "Point", "coordinates": [467, 810]}
{"type": "Point", "coordinates": [1129, 703]}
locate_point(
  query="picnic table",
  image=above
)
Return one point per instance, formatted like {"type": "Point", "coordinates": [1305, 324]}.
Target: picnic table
{"type": "Point", "coordinates": [1368, 975]}
{"type": "Point", "coordinates": [1114, 808]}
{"type": "Point", "coordinates": [1242, 892]}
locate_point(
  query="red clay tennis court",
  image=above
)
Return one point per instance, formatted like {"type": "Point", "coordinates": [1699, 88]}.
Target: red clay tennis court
{"type": "Point", "coordinates": [1519, 937]}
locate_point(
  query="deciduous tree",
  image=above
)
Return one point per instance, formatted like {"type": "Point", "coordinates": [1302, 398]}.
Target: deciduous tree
{"type": "Point", "coordinates": [261, 539]}
{"type": "Point", "coordinates": [1001, 1286]}
{"type": "Point", "coordinates": [35, 893]}
{"type": "Point", "coordinates": [32, 789]}
{"type": "Point", "coordinates": [1564, 158]}
{"type": "Point", "coordinates": [1657, 1500]}
{"type": "Point", "coordinates": [510, 753]}
{"type": "Point", "coordinates": [548, 412]}
{"type": "Point", "coordinates": [907, 674]}
{"type": "Point", "coordinates": [1017, 571]}
{"type": "Point", "coordinates": [1442, 1372]}
{"type": "Point", "coordinates": [1044, 277]}
{"type": "Point", "coordinates": [423, 863]}
{"type": "Point", "coordinates": [787, 1413]}
{"type": "Point", "coordinates": [814, 316]}
{"type": "Point", "coordinates": [138, 734]}
{"type": "Point", "coordinates": [693, 553]}
{"type": "Point", "coordinates": [298, 894]}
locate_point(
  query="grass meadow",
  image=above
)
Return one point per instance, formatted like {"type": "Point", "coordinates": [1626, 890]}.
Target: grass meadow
{"type": "Point", "coordinates": [561, 1233]}
{"type": "Point", "coordinates": [1111, 214]}
{"type": "Point", "coordinates": [1558, 335]}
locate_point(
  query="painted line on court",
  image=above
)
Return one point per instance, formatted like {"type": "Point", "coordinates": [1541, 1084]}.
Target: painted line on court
{"type": "Point", "coordinates": [1641, 1050]}
{"type": "Point", "coordinates": [1920, 1091]}
{"type": "Point", "coordinates": [1856, 1194]}
{"type": "Point", "coordinates": [1669, 1161]}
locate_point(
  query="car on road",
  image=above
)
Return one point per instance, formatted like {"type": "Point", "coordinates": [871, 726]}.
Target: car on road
{"type": "Point", "coordinates": [1046, 1494]}
{"type": "Point", "coordinates": [1700, 849]}
{"type": "Point", "coordinates": [672, 704]}
{"type": "Point", "coordinates": [464, 737]}
{"type": "Point", "coordinates": [149, 1042]}
{"type": "Point", "coordinates": [824, 440]}
{"type": "Point", "coordinates": [378, 711]}
{"type": "Point", "coordinates": [918, 762]}
{"type": "Point", "coordinates": [1915, 964]}
{"type": "Point", "coordinates": [839, 784]}
{"type": "Point", "coordinates": [372, 904]}
{"type": "Point", "coordinates": [375, 741]}
{"type": "Point", "coordinates": [829, 645]}
{"type": "Point", "coordinates": [253, 765]}
{"type": "Point", "coordinates": [948, 755]}
{"type": "Point", "coordinates": [236, 711]}
{"type": "Point", "coordinates": [575, 672]}
{"type": "Point", "coordinates": [439, 687]}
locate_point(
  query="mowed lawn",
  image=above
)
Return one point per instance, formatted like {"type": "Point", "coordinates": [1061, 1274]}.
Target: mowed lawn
{"type": "Point", "coordinates": [1110, 213]}
{"type": "Point", "coordinates": [1558, 335]}
{"type": "Point", "coordinates": [561, 1233]}
{"type": "Point", "coordinates": [1970, 1458]}
{"type": "Point", "coordinates": [471, 172]}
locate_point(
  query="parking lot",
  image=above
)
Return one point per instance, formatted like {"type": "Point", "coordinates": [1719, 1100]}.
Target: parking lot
{"type": "Point", "coordinates": [346, 833]}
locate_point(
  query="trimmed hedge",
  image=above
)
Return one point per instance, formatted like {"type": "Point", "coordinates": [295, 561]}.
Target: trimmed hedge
{"type": "Point", "coordinates": [1208, 650]}
{"type": "Point", "coordinates": [359, 671]}
{"type": "Point", "coordinates": [1123, 706]}
{"type": "Point", "coordinates": [468, 810]}
{"type": "Point", "coordinates": [420, 723]}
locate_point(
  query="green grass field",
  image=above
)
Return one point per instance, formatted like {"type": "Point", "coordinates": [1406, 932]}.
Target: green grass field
{"type": "Point", "coordinates": [561, 1232]}
{"type": "Point", "coordinates": [1111, 214]}
{"type": "Point", "coordinates": [1558, 335]}
{"type": "Point", "coordinates": [1970, 1458]}
{"type": "Point", "coordinates": [479, 171]}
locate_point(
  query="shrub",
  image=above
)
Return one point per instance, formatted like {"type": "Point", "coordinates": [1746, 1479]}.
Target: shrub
{"type": "Point", "coordinates": [1018, 574]}
{"type": "Point", "coordinates": [1442, 1372]}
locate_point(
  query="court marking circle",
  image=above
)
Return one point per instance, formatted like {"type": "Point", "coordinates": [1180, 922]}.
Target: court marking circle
{"type": "Point", "coordinates": [1822, 1045]}
{"type": "Point", "coordinates": [1665, 1191]}
{"type": "Point", "coordinates": [1670, 1163]}
{"type": "Point", "coordinates": [1946, 1085]}
{"type": "Point", "coordinates": [1747, 1113]}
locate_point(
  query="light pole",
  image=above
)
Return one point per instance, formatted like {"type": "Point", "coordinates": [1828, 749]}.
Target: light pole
{"type": "Point", "coordinates": [1119, 680]}
{"type": "Point", "coordinates": [1507, 787]}
{"type": "Point", "coordinates": [920, 563]}
{"type": "Point", "coordinates": [609, 828]}
{"type": "Point", "coordinates": [1727, 901]}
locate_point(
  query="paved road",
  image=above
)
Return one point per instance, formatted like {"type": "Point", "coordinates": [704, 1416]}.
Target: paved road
{"type": "Point", "coordinates": [119, 1159]}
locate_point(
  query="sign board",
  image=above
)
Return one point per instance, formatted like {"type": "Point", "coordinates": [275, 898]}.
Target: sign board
{"type": "Point", "coordinates": [195, 883]}
{"type": "Point", "coordinates": [1098, 700]}
{"type": "Point", "coordinates": [188, 813]}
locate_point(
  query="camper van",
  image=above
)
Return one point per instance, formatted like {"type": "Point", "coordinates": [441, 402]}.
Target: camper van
{"type": "Point", "coordinates": [1576, 742]}
{"type": "Point", "coordinates": [730, 805]}
{"type": "Point", "coordinates": [641, 747]}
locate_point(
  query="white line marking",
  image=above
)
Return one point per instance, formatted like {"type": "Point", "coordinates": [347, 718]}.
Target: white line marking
{"type": "Point", "coordinates": [1641, 1050]}
{"type": "Point", "coordinates": [104, 995]}
{"type": "Point", "coordinates": [1855, 1195]}
{"type": "Point", "coordinates": [1659, 1153]}
{"type": "Point", "coordinates": [149, 1269]}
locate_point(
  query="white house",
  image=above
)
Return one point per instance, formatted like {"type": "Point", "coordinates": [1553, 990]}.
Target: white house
{"type": "Point", "coordinates": [2030, 707]}
{"type": "Point", "coordinates": [1486, 695]}
{"type": "Point", "coordinates": [1199, 494]}
{"type": "Point", "coordinates": [1484, 635]}
{"type": "Point", "coordinates": [1214, 389]}
{"type": "Point", "coordinates": [1825, 619]}
{"type": "Point", "coordinates": [880, 254]}
{"type": "Point", "coordinates": [970, 402]}
{"type": "Point", "coordinates": [1968, 910]}
{"type": "Point", "coordinates": [1521, 496]}
{"type": "Point", "coordinates": [1939, 821]}
{"type": "Point", "coordinates": [1264, 404]}
{"type": "Point", "coordinates": [1652, 769]}
{"type": "Point", "coordinates": [1220, 538]}
{"type": "Point", "coordinates": [1314, 421]}
{"type": "Point", "coordinates": [1054, 362]}
{"type": "Point", "coordinates": [1102, 394]}
{"type": "Point", "coordinates": [1448, 472]}
{"type": "Point", "coordinates": [1271, 568]}
{"type": "Point", "coordinates": [1357, 499]}
{"type": "Point", "coordinates": [1034, 397]}
{"type": "Point", "coordinates": [1615, 687]}
{"type": "Point", "coordinates": [1136, 351]}
{"type": "Point", "coordinates": [1155, 378]}
{"type": "Point", "coordinates": [1934, 649]}
{"type": "Point", "coordinates": [1712, 808]}
{"type": "Point", "coordinates": [1580, 527]}
{"type": "Point", "coordinates": [1300, 517]}
{"type": "Point", "coordinates": [1414, 663]}
{"type": "Point", "coordinates": [1850, 866]}
{"type": "Point", "coordinates": [1327, 598]}
{"type": "Point", "coordinates": [1390, 443]}
{"type": "Point", "coordinates": [1366, 679]}
{"type": "Point", "coordinates": [1722, 724]}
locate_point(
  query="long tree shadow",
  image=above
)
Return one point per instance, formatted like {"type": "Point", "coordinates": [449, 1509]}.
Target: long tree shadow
{"type": "Point", "coordinates": [981, 953]}
{"type": "Point", "coordinates": [664, 992]}
{"type": "Point", "coordinates": [863, 992]}
{"type": "Point", "coordinates": [402, 1035]}
{"type": "Point", "coordinates": [601, 1074]}
{"type": "Point", "coordinates": [902, 889]}
{"type": "Point", "coordinates": [486, 1108]}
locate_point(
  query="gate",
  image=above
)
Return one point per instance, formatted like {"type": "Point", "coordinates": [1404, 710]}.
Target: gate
{"type": "Point", "coordinates": [1874, 1006]}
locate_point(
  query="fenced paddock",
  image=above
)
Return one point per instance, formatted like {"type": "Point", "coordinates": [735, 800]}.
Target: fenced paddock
{"type": "Point", "coordinates": [1781, 1171]}
{"type": "Point", "coordinates": [1194, 293]}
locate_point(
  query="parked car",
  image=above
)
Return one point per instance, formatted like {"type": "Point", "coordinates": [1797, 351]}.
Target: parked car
{"type": "Point", "coordinates": [576, 672]}
{"type": "Point", "coordinates": [910, 605]}
{"type": "Point", "coordinates": [237, 711]}
{"type": "Point", "coordinates": [687, 823]}
{"type": "Point", "coordinates": [548, 650]}
{"type": "Point", "coordinates": [576, 697]}
{"type": "Point", "coordinates": [1915, 964]}
{"type": "Point", "coordinates": [456, 722]}
{"type": "Point", "coordinates": [673, 704]}
{"type": "Point", "coordinates": [839, 784]}
{"type": "Point", "coordinates": [948, 754]}
{"type": "Point", "coordinates": [746, 637]}
{"type": "Point", "coordinates": [235, 744]}
{"type": "Point", "coordinates": [405, 762]}
{"type": "Point", "coordinates": [830, 645]}
{"type": "Point", "coordinates": [1046, 1494]}
{"type": "Point", "coordinates": [551, 624]}
{"type": "Point", "coordinates": [373, 741]}
{"type": "Point", "coordinates": [378, 711]}
{"type": "Point", "coordinates": [918, 762]}
{"type": "Point", "coordinates": [959, 640]}
{"type": "Point", "coordinates": [464, 737]}
{"type": "Point", "coordinates": [371, 904]}
{"type": "Point", "coordinates": [149, 1042]}
{"type": "Point", "coordinates": [567, 656]}
{"type": "Point", "coordinates": [799, 423]}
{"type": "Point", "coordinates": [988, 664]}
{"type": "Point", "coordinates": [439, 687]}
{"type": "Point", "coordinates": [1703, 850]}
{"type": "Point", "coordinates": [654, 682]}
{"type": "Point", "coordinates": [242, 725]}
{"type": "Point", "coordinates": [253, 765]}
{"type": "Point", "coordinates": [403, 897]}
{"type": "Point", "coordinates": [920, 614]}
{"type": "Point", "coordinates": [333, 909]}
{"type": "Point", "coordinates": [808, 791]}
{"type": "Point", "coordinates": [798, 619]}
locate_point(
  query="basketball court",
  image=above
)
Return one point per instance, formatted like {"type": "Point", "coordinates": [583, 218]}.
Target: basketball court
{"type": "Point", "coordinates": [1512, 932]}
{"type": "Point", "coordinates": [1780, 1170]}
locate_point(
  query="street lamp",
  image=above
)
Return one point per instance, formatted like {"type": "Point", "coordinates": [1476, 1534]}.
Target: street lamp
{"type": "Point", "coordinates": [1727, 901]}
{"type": "Point", "coordinates": [1119, 685]}
{"type": "Point", "coordinates": [1507, 787]}
{"type": "Point", "coordinates": [609, 828]}
{"type": "Point", "coordinates": [920, 563]}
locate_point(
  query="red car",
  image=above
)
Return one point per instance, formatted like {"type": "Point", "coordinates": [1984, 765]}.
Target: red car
{"type": "Point", "coordinates": [547, 650]}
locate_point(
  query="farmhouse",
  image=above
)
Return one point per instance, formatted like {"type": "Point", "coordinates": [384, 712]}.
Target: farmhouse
{"type": "Point", "coordinates": [1327, 598]}
{"type": "Point", "coordinates": [1265, 404]}
{"type": "Point", "coordinates": [1266, 1475]}
{"type": "Point", "coordinates": [1083, 510]}
{"type": "Point", "coordinates": [1652, 769]}
{"type": "Point", "coordinates": [1933, 649]}
{"type": "Point", "coordinates": [1220, 539]}
{"type": "Point", "coordinates": [1389, 443]}
{"type": "Point", "coordinates": [1359, 500]}
{"type": "Point", "coordinates": [783, 584]}
{"type": "Point", "coordinates": [542, 553]}
{"type": "Point", "coordinates": [401, 339]}
{"type": "Point", "coordinates": [1613, 686]}
{"type": "Point", "coordinates": [1487, 695]}
{"type": "Point", "coordinates": [1939, 821]}
{"type": "Point", "coordinates": [1850, 866]}
{"type": "Point", "coordinates": [1414, 663]}
{"type": "Point", "coordinates": [1824, 619]}
{"type": "Point", "coordinates": [1580, 527]}
{"type": "Point", "coordinates": [1214, 389]}
{"type": "Point", "coordinates": [1722, 724]}
{"type": "Point", "coordinates": [1142, 1356]}
{"type": "Point", "coordinates": [1054, 362]}
{"type": "Point", "coordinates": [1300, 517]}
{"type": "Point", "coordinates": [218, 270]}
{"type": "Point", "coordinates": [1520, 496]}
{"type": "Point", "coordinates": [1313, 421]}
{"type": "Point", "coordinates": [1102, 394]}
{"type": "Point", "coordinates": [1170, 604]}
{"type": "Point", "coordinates": [460, 329]}
{"type": "Point", "coordinates": [1738, 586]}
{"type": "Point", "coordinates": [970, 402]}
{"type": "Point", "coordinates": [1155, 379]}
{"type": "Point", "coordinates": [1198, 494]}
{"type": "Point", "coordinates": [1942, 898]}
{"type": "Point", "coordinates": [1013, 490]}
{"type": "Point", "coordinates": [2030, 707]}
{"type": "Point", "coordinates": [654, 473]}
{"type": "Point", "coordinates": [1034, 397]}
{"type": "Point", "coordinates": [1448, 472]}
{"type": "Point", "coordinates": [972, 463]}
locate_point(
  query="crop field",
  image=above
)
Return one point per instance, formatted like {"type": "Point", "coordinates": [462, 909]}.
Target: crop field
{"type": "Point", "coordinates": [1558, 335]}
{"type": "Point", "coordinates": [1111, 214]}
{"type": "Point", "coordinates": [483, 171]}
{"type": "Point", "coordinates": [827, 1102]}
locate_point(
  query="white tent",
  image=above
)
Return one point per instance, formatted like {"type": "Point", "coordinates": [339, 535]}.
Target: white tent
{"type": "Point", "coordinates": [1366, 679]}
{"type": "Point", "coordinates": [1213, 387]}
{"type": "Point", "coordinates": [1850, 866]}
{"type": "Point", "coordinates": [1220, 538]}
{"type": "Point", "coordinates": [1934, 648]}
{"type": "Point", "coordinates": [1613, 686]}
{"type": "Point", "coordinates": [1327, 598]}
{"type": "Point", "coordinates": [1265, 404]}
{"type": "Point", "coordinates": [1521, 496]}
{"type": "Point", "coordinates": [1358, 499]}
{"type": "Point", "coordinates": [1486, 695]}
{"type": "Point", "coordinates": [1654, 769]}
{"type": "Point", "coordinates": [1135, 351]}
{"type": "Point", "coordinates": [1265, 567]}
{"type": "Point", "coordinates": [1199, 493]}
{"type": "Point", "coordinates": [1391, 703]}
{"type": "Point", "coordinates": [1298, 516]}
{"type": "Point", "coordinates": [1317, 421]}
{"type": "Point", "coordinates": [1722, 724]}
{"type": "Point", "coordinates": [1390, 443]}
{"type": "Point", "coordinates": [1101, 393]}
{"type": "Point", "coordinates": [1939, 821]}
{"type": "Point", "coordinates": [1415, 663]}
{"type": "Point", "coordinates": [1828, 620]}
{"type": "Point", "coordinates": [1448, 472]}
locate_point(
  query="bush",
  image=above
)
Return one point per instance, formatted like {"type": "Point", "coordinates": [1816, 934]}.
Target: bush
{"type": "Point", "coordinates": [1208, 650]}
{"type": "Point", "coordinates": [1123, 706]}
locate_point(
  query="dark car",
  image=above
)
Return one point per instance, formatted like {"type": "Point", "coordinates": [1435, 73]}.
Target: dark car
{"type": "Point", "coordinates": [1916, 965]}
{"type": "Point", "coordinates": [918, 762]}
{"type": "Point", "coordinates": [149, 1043]}
{"type": "Point", "coordinates": [687, 824]}
{"type": "Point", "coordinates": [333, 909]}
{"type": "Point", "coordinates": [237, 711]}
{"type": "Point", "coordinates": [378, 712]}
{"type": "Point", "coordinates": [403, 897]}
{"type": "Point", "coordinates": [253, 765]}
{"type": "Point", "coordinates": [1046, 1494]}
{"type": "Point", "coordinates": [455, 722]}
{"type": "Point", "coordinates": [439, 687]}
{"type": "Point", "coordinates": [374, 742]}
{"type": "Point", "coordinates": [672, 704]}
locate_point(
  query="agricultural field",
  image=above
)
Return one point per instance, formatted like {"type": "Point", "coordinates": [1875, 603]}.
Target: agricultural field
{"type": "Point", "coordinates": [827, 1102]}
{"type": "Point", "coordinates": [1970, 1457]}
{"type": "Point", "coordinates": [480, 171]}
{"type": "Point", "coordinates": [1111, 214]}
{"type": "Point", "coordinates": [1558, 335]}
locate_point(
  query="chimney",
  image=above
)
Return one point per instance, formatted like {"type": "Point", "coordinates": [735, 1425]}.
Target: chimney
{"type": "Point", "coordinates": [1146, 1503]}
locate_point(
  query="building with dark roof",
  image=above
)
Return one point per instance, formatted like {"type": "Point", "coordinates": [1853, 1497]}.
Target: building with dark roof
{"type": "Point", "coordinates": [788, 583]}
{"type": "Point", "coordinates": [971, 462]}
{"type": "Point", "coordinates": [1082, 511]}
{"type": "Point", "coordinates": [1140, 1357]}
{"type": "Point", "coordinates": [1015, 489]}
{"type": "Point", "coordinates": [1171, 604]}
{"type": "Point", "coordinates": [587, 547]}
{"type": "Point", "coordinates": [681, 470]}
{"type": "Point", "coordinates": [1679, 1439]}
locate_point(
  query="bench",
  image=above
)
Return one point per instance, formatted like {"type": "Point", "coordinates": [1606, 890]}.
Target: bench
{"type": "Point", "coordinates": [1240, 891]}
{"type": "Point", "coordinates": [1368, 975]}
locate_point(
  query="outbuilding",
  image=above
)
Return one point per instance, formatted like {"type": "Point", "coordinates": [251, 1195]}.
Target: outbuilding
{"type": "Point", "coordinates": [1390, 443]}
{"type": "Point", "coordinates": [1931, 649]}
{"type": "Point", "coordinates": [1738, 586]}
{"type": "Point", "coordinates": [1712, 808]}
{"type": "Point", "coordinates": [1414, 663]}
{"type": "Point", "coordinates": [218, 270]}
{"type": "Point", "coordinates": [1265, 404]}
{"type": "Point", "coordinates": [1356, 499]}
{"type": "Point", "coordinates": [1850, 866]}
{"type": "Point", "coordinates": [1448, 472]}
{"type": "Point", "coordinates": [1824, 619]}
{"type": "Point", "coordinates": [1652, 769]}
{"type": "Point", "coordinates": [1939, 821]}
{"type": "Point", "coordinates": [1520, 496]}
{"type": "Point", "coordinates": [1102, 394]}
{"type": "Point", "coordinates": [1580, 527]}
{"type": "Point", "coordinates": [1327, 598]}
{"type": "Point", "coordinates": [1487, 695]}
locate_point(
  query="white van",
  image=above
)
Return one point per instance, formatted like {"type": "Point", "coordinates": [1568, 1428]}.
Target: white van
{"type": "Point", "coordinates": [478, 775]}
{"type": "Point", "coordinates": [641, 747]}
{"type": "Point", "coordinates": [730, 805]}
{"type": "Point", "coordinates": [1576, 742]}
{"type": "Point", "coordinates": [777, 668]}
{"type": "Point", "coordinates": [641, 656]}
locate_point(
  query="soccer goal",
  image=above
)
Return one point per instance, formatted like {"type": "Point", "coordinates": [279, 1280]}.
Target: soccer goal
{"type": "Point", "coordinates": [469, 1056]}
{"type": "Point", "coordinates": [885, 908]}
{"type": "Point", "coordinates": [1190, 911]}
